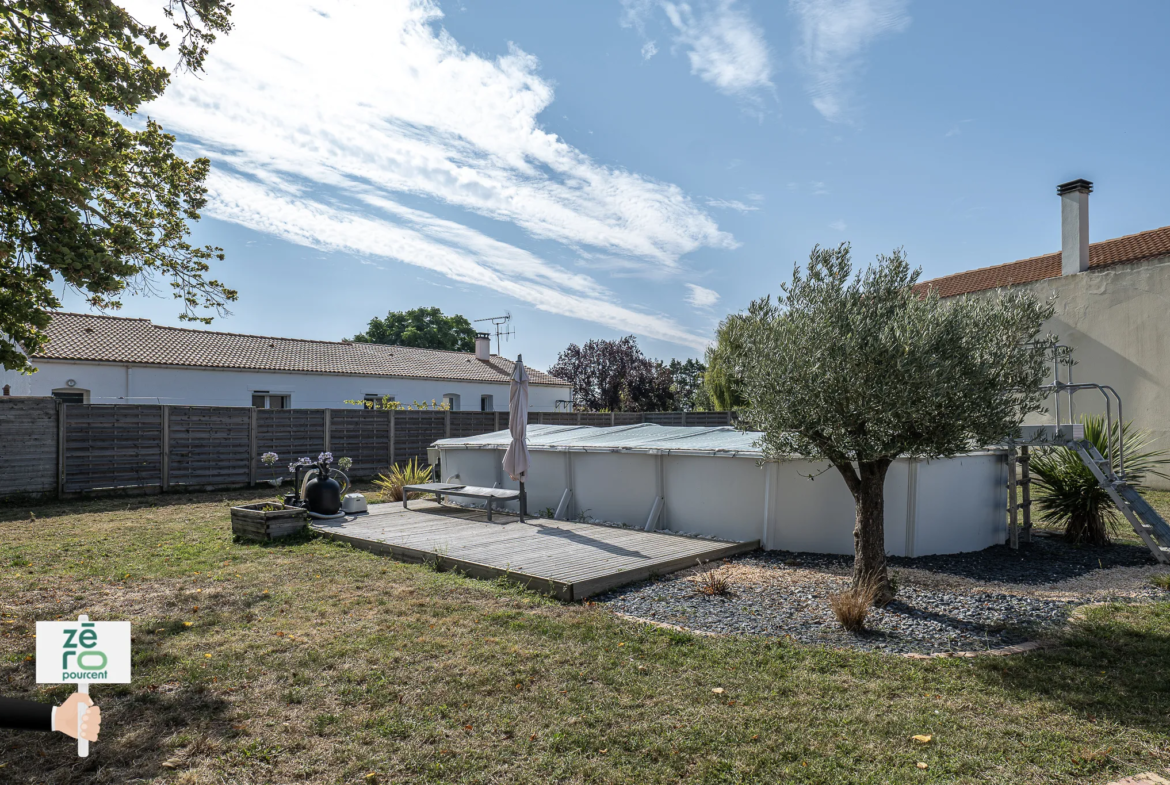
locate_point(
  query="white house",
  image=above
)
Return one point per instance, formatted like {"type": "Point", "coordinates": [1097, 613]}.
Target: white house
{"type": "Point", "coordinates": [107, 359]}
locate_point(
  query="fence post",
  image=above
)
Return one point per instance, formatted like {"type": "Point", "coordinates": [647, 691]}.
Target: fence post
{"type": "Point", "coordinates": [1026, 481]}
{"type": "Point", "coordinates": [1013, 523]}
{"type": "Point", "coordinates": [390, 440]}
{"type": "Point", "coordinates": [497, 421]}
{"type": "Point", "coordinates": [61, 448]}
{"type": "Point", "coordinates": [612, 419]}
{"type": "Point", "coordinates": [327, 438]}
{"type": "Point", "coordinates": [578, 418]}
{"type": "Point", "coordinates": [252, 446]}
{"type": "Point", "coordinates": [684, 419]}
{"type": "Point", "coordinates": [447, 424]}
{"type": "Point", "coordinates": [165, 447]}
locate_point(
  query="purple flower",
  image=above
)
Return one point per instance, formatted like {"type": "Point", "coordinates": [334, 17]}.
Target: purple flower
{"type": "Point", "coordinates": [269, 458]}
{"type": "Point", "coordinates": [325, 457]}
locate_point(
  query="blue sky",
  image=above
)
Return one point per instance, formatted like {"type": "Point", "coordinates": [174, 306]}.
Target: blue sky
{"type": "Point", "coordinates": [611, 167]}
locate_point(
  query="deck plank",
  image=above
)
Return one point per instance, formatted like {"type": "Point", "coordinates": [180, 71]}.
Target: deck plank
{"type": "Point", "coordinates": [567, 559]}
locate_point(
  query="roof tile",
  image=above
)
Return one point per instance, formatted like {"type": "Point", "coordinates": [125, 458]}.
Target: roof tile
{"type": "Point", "coordinates": [1120, 250]}
{"type": "Point", "coordinates": [90, 337]}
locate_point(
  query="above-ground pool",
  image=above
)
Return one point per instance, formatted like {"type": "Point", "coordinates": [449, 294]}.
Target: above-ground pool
{"type": "Point", "coordinates": [714, 482]}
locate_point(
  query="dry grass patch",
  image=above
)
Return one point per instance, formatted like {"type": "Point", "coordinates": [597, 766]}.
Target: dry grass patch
{"type": "Point", "coordinates": [851, 607]}
{"type": "Point", "coordinates": [328, 664]}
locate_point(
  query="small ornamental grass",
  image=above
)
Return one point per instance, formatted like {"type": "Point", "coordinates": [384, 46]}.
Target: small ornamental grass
{"type": "Point", "coordinates": [409, 473]}
{"type": "Point", "coordinates": [714, 583]}
{"type": "Point", "coordinates": [1162, 581]}
{"type": "Point", "coordinates": [851, 607]}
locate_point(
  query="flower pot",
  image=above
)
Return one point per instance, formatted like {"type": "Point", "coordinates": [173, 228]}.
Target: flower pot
{"type": "Point", "coordinates": [267, 520]}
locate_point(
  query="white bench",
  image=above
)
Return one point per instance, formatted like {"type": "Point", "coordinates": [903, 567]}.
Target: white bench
{"type": "Point", "coordinates": [441, 489]}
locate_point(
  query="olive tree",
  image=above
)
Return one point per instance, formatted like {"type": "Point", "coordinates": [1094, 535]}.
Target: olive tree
{"type": "Point", "coordinates": [860, 369]}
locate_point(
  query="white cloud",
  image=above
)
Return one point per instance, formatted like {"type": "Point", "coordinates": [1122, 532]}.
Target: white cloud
{"type": "Point", "coordinates": [838, 225]}
{"type": "Point", "coordinates": [701, 297]}
{"type": "Point", "coordinates": [346, 116]}
{"type": "Point", "coordinates": [649, 49]}
{"type": "Point", "coordinates": [726, 48]}
{"type": "Point", "coordinates": [459, 253]}
{"type": "Point", "coordinates": [731, 204]}
{"type": "Point", "coordinates": [834, 34]}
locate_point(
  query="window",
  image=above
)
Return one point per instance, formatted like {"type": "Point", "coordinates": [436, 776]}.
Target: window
{"type": "Point", "coordinates": [452, 400]}
{"type": "Point", "coordinates": [71, 395]}
{"type": "Point", "coordinates": [376, 400]}
{"type": "Point", "coordinates": [262, 399]}
{"type": "Point", "coordinates": [485, 403]}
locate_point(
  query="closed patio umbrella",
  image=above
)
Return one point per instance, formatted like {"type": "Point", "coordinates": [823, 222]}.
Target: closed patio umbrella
{"type": "Point", "coordinates": [516, 457]}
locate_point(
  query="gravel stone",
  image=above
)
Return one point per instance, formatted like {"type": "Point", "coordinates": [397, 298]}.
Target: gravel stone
{"type": "Point", "coordinates": [962, 602]}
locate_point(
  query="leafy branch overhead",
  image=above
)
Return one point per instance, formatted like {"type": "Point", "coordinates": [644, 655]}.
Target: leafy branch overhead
{"type": "Point", "coordinates": [86, 201]}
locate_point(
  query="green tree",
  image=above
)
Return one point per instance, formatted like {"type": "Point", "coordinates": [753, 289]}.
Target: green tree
{"type": "Point", "coordinates": [85, 201]}
{"type": "Point", "coordinates": [721, 382]}
{"type": "Point", "coordinates": [687, 383]}
{"type": "Point", "coordinates": [424, 328]}
{"type": "Point", "coordinates": [614, 376]}
{"type": "Point", "coordinates": [862, 369]}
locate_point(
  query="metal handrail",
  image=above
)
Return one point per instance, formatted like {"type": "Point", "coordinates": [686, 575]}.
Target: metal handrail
{"type": "Point", "coordinates": [1070, 389]}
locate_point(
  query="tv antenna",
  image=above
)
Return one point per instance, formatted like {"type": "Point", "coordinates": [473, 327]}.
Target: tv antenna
{"type": "Point", "coordinates": [500, 323]}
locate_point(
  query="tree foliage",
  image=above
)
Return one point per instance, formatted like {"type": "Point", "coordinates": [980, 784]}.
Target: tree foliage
{"type": "Point", "coordinates": [85, 201]}
{"type": "Point", "coordinates": [615, 376]}
{"type": "Point", "coordinates": [424, 328]}
{"type": "Point", "coordinates": [861, 369]}
{"type": "Point", "coordinates": [722, 387]}
{"type": "Point", "coordinates": [690, 395]}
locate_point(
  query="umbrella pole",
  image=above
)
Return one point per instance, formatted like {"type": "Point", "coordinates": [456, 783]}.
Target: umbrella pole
{"type": "Point", "coordinates": [523, 502]}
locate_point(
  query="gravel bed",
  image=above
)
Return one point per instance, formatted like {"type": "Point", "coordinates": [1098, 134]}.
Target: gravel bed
{"type": "Point", "coordinates": [963, 602]}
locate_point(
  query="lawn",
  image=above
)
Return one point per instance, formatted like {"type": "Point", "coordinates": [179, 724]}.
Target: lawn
{"type": "Point", "coordinates": [312, 662]}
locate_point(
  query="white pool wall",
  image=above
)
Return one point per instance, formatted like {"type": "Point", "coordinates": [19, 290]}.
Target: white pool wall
{"type": "Point", "coordinates": [949, 505]}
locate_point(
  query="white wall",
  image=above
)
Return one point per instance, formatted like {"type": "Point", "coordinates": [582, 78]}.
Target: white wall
{"type": "Point", "coordinates": [946, 506]}
{"type": "Point", "coordinates": [117, 383]}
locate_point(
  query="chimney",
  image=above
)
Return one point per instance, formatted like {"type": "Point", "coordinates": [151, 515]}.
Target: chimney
{"type": "Point", "coordinates": [1074, 226]}
{"type": "Point", "coordinates": [483, 346]}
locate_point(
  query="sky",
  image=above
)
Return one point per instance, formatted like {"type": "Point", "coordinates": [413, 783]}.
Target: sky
{"type": "Point", "coordinates": [613, 167]}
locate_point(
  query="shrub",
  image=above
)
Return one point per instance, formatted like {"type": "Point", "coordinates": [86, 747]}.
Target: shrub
{"type": "Point", "coordinates": [1069, 495]}
{"type": "Point", "coordinates": [714, 583]}
{"type": "Point", "coordinates": [409, 473]}
{"type": "Point", "coordinates": [852, 605]}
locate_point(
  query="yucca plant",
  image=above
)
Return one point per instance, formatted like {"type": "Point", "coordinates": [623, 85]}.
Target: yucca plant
{"type": "Point", "coordinates": [1068, 494]}
{"type": "Point", "coordinates": [409, 473]}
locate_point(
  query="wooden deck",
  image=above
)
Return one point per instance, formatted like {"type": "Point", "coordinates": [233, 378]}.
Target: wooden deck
{"type": "Point", "coordinates": [568, 560]}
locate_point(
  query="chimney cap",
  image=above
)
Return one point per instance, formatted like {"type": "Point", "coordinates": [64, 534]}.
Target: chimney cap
{"type": "Point", "coordinates": [488, 336]}
{"type": "Point", "coordinates": [1074, 186]}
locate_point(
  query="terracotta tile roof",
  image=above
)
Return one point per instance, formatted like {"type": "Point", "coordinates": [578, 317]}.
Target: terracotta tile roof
{"type": "Point", "coordinates": [1120, 250]}
{"type": "Point", "coordinates": [75, 336]}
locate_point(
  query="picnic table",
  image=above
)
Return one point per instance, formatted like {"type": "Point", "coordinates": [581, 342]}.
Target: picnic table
{"type": "Point", "coordinates": [441, 489]}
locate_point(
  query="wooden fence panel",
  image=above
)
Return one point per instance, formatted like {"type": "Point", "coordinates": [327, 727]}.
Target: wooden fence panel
{"type": "Point", "coordinates": [209, 445]}
{"type": "Point", "coordinates": [291, 434]}
{"type": "Point", "coordinates": [414, 431]}
{"type": "Point", "coordinates": [28, 445]}
{"type": "Point", "coordinates": [596, 419]}
{"type": "Point", "coordinates": [364, 436]}
{"type": "Point", "coordinates": [112, 446]}
{"type": "Point", "coordinates": [709, 419]}
{"type": "Point", "coordinates": [663, 418]}
{"type": "Point", "coordinates": [475, 423]}
{"type": "Point", "coordinates": [627, 418]}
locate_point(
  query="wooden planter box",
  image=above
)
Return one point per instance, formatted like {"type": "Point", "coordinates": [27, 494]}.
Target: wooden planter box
{"type": "Point", "coordinates": [255, 523]}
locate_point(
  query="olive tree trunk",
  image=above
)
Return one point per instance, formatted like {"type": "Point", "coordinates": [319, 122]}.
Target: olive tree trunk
{"type": "Point", "coordinates": [867, 484]}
